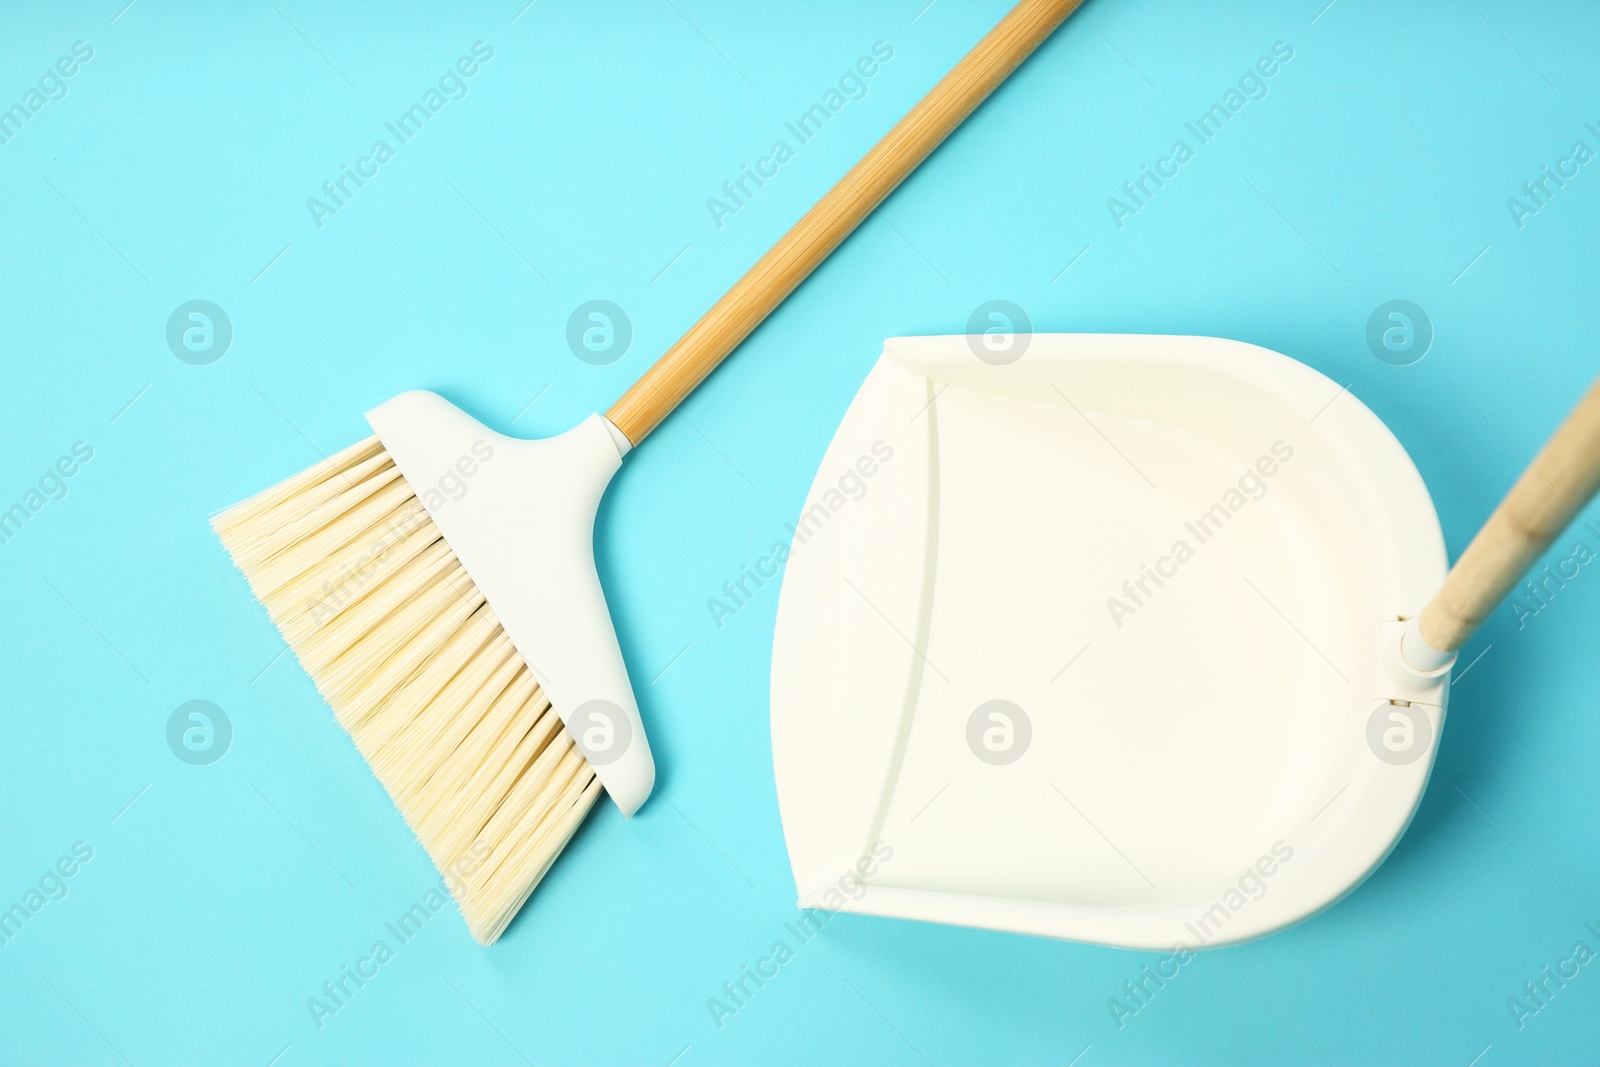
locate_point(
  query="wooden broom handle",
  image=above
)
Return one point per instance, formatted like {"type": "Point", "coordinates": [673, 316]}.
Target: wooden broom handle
{"type": "Point", "coordinates": [846, 205]}
{"type": "Point", "coordinates": [1554, 488]}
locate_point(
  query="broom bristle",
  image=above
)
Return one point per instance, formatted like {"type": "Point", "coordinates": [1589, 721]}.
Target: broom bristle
{"type": "Point", "coordinates": [417, 669]}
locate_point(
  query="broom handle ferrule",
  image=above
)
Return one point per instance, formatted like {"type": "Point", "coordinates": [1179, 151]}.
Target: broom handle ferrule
{"type": "Point", "coordinates": [764, 286]}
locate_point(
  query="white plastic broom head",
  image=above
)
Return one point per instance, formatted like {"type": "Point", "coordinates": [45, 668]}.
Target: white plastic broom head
{"type": "Point", "coordinates": [519, 515]}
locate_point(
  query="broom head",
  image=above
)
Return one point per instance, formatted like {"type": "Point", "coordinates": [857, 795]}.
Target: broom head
{"type": "Point", "coordinates": [437, 582]}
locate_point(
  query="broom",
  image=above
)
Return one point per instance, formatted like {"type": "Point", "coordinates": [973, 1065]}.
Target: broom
{"type": "Point", "coordinates": [461, 635]}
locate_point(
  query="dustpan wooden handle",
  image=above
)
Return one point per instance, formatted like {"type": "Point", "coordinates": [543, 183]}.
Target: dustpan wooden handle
{"type": "Point", "coordinates": [820, 230]}
{"type": "Point", "coordinates": [1557, 484]}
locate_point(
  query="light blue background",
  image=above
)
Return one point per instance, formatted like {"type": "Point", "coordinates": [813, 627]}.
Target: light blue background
{"type": "Point", "coordinates": [178, 167]}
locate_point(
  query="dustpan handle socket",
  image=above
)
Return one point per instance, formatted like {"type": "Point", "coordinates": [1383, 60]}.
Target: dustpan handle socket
{"type": "Point", "coordinates": [1420, 656]}
{"type": "Point", "coordinates": [1558, 483]}
{"type": "Point", "coordinates": [754, 296]}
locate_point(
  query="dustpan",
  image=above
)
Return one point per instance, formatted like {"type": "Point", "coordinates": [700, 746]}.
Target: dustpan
{"type": "Point", "coordinates": [1099, 641]}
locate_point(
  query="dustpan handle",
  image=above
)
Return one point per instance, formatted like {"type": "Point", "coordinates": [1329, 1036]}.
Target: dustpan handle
{"type": "Point", "coordinates": [845, 206]}
{"type": "Point", "coordinates": [1561, 479]}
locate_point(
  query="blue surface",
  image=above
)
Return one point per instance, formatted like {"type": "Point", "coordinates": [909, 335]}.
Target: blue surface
{"type": "Point", "coordinates": [177, 166]}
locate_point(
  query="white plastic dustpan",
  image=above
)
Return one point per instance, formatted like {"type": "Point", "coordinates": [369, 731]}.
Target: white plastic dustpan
{"type": "Point", "coordinates": [1102, 643]}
